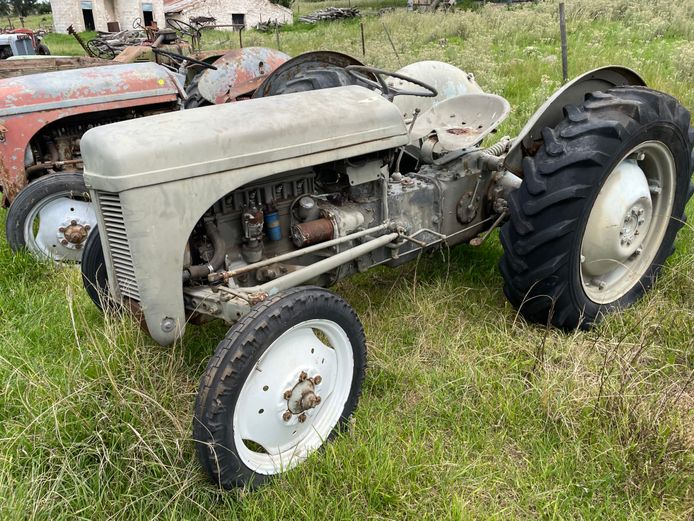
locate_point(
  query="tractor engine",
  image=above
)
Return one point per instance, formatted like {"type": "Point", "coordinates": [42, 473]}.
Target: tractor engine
{"type": "Point", "coordinates": [313, 206]}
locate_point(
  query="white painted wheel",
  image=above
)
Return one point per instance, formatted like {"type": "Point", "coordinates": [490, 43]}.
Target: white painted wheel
{"type": "Point", "coordinates": [628, 221]}
{"type": "Point", "coordinates": [58, 226]}
{"type": "Point", "coordinates": [598, 212]}
{"type": "Point", "coordinates": [52, 218]}
{"type": "Point", "coordinates": [274, 431]}
{"type": "Point", "coordinates": [287, 375]}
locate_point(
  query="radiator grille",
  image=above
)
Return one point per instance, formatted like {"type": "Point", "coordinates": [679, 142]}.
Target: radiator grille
{"type": "Point", "coordinates": [118, 244]}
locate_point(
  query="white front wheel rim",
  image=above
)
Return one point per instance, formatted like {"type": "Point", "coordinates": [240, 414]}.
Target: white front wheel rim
{"type": "Point", "coordinates": [628, 222]}
{"type": "Point", "coordinates": [58, 226]}
{"type": "Point", "coordinates": [270, 438]}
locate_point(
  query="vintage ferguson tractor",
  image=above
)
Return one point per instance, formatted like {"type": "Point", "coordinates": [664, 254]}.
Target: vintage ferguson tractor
{"type": "Point", "coordinates": [202, 215]}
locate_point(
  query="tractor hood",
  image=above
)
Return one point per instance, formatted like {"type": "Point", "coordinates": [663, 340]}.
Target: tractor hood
{"type": "Point", "coordinates": [274, 134]}
{"type": "Point", "coordinates": [70, 88]}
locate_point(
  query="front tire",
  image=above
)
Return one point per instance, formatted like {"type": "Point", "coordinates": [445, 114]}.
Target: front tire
{"type": "Point", "coordinates": [284, 379]}
{"type": "Point", "coordinates": [93, 268]}
{"type": "Point", "coordinates": [599, 208]}
{"type": "Point", "coordinates": [52, 218]}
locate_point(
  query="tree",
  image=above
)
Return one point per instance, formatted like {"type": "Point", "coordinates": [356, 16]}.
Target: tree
{"type": "Point", "coordinates": [18, 7]}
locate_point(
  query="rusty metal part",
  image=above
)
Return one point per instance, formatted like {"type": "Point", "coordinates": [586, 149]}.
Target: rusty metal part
{"type": "Point", "coordinates": [225, 276]}
{"type": "Point", "coordinates": [75, 233]}
{"type": "Point", "coordinates": [302, 396]}
{"type": "Point", "coordinates": [239, 73]}
{"type": "Point", "coordinates": [71, 31]}
{"type": "Point", "coordinates": [287, 416]}
{"type": "Point", "coordinates": [30, 103]}
{"type": "Point", "coordinates": [257, 297]}
{"type": "Point", "coordinates": [308, 71]}
{"type": "Point", "coordinates": [56, 165]}
{"type": "Point", "coordinates": [477, 241]}
{"type": "Point", "coordinates": [312, 232]}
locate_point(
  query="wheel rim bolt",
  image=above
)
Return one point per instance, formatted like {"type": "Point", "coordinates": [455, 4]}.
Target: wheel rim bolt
{"type": "Point", "coordinates": [287, 394]}
{"type": "Point", "coordinates": [61, 229]}
{"type": "Point", "coordinates": [302, 376]}
{"type": "Point", "coordinates": [317, 379]}
{"type": "Point", "coordinates": [302, 417]}
{"type": "Point", "coordinates": [287, 416]}
{"type": "Point", "coordinates": [64, 242]}
{"type": "Point", "coordinates": [73, 222]}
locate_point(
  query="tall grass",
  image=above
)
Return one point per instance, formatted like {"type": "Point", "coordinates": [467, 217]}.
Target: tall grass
{"type": "Point", "coordinates": [468, 412]}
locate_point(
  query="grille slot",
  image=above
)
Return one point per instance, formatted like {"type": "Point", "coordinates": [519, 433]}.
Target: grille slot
{"type": "Point", "coordinates": [121, 258]}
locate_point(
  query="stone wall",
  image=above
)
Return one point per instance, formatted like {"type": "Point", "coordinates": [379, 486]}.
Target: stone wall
{"type": "Point", "coordinates": [69, 12]}
{"type": "Point", "coordinates": [255, 11]}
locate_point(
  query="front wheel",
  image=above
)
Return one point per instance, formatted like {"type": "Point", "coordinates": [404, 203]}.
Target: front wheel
{"type": "Point", "coordinates": [52, 218]}
{"type": "Point", "coordinates": [285, 377]}
{"type": "Point", "coordinates": [599, 208]}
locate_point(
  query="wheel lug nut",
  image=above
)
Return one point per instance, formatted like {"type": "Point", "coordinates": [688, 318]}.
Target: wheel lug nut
{"type": "Point", "coordinates": [317, 379]}
{"type": "Point", "coordinates": [64, 242]}
{"type": "Point", "coordinates": [302, 417]}
{"type": "Point", "coordinates": [302, 376]}
{"type": "Point", "coordinates": [287, 416]}
{"type": "Point", "coordinates": [61, 229]}
{"type": "Point", "coordinates": [73, 222]}
{"type": "Point", "coordinates": [87, 227]}
{"type": "Point", "coordinates": [318, 400]}
{"type": "Point", "coordinates": [287, 394]}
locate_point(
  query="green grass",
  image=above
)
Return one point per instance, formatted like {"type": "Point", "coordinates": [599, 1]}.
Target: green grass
{"type": "Point", "coordinates": [468, 412]}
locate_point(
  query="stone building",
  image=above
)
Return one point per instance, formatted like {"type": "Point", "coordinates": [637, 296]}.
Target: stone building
{"type": "Point", "coordinates": [95, 15]}
{"type": "Point", "coordinates": [229, 14]}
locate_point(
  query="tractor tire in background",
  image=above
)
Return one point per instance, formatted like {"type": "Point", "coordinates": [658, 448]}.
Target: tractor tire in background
{"type": "Point", "coordinates": [51, 218]}
{"type": "Point", "coordinates": [193, 97]}
{"type": "Point", "coordinates": [599, 208]}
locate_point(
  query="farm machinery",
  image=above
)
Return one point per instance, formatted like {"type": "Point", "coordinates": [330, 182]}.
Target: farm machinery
{"type": "Point", "coordinates": [43, 117]}
{"type": "Point", "coordinates": [351, 168]}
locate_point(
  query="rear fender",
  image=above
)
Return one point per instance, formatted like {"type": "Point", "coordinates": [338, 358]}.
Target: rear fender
{"type": "Point", "coordinates": [552, 111]}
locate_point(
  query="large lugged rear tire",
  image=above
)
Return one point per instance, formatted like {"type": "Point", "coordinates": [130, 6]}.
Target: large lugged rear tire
{"type": "Point", "coordinates": [283, 380]}
{"type": "Point", "coordinates": [599, 208]}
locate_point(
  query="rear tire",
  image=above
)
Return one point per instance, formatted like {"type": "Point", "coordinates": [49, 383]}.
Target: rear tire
{"type": "Point", "coordinates": [566, 262]}
{"type": "Point", "coordinates": [247, 423]}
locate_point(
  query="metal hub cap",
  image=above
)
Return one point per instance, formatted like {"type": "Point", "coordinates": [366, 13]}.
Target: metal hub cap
{"type": "Point", "coordinates": [74, 234]}
{"type": "Point", "coordinates": [58, 226]}
{"type": "Point", "coordinates": [293, 397]}
{"type": "Point", "coordinates": [627, 222]}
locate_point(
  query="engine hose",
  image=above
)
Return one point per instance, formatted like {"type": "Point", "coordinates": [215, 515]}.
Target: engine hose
{"type": "Point", "coordinates": [200, 271]}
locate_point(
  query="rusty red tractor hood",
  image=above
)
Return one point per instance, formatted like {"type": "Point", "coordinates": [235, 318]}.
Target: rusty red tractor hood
{"type": "Point", "coordinates": [29, 103]}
